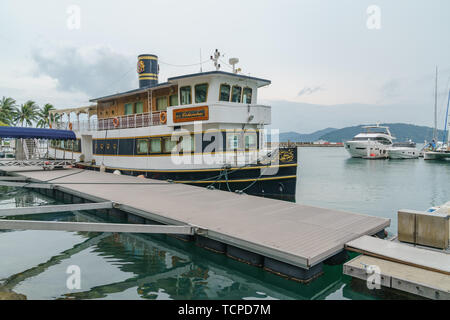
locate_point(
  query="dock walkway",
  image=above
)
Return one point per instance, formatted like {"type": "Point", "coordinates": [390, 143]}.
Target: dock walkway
{"type": "Point", "coordinates": [281, 233]}
{"type": "Point", "coordinates": [418, 271]}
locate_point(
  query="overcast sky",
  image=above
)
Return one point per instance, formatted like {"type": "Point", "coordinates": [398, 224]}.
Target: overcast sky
{"type": "Point", "coordinates": [318, 52]}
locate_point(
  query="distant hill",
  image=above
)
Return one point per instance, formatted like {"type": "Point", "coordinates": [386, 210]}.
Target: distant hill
{"type": "Point", "coordinates": [304, 137]}
{"type": "Point", "coordinates": [401, 131]}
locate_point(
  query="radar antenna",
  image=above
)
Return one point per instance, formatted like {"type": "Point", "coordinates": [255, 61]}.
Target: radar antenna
{"type": "Point", "coordinates": [233, 62]}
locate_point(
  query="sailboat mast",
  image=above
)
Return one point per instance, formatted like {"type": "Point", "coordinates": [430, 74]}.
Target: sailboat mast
{"type": "Point", "coordinates": [446, 135]}
{"type": "Point", "coordinates": [435, 107]}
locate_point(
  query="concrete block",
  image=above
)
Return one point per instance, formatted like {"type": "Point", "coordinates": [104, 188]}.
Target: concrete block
{"type": "Point", "coordinates": [424, 228]}
{"type": "Point", "coordinates": [406, 226]}
{"type": "Point", "coordinates": [419, 289]}
{"type": "Point", "coordinates": [361, 273]}
{"type": "Point", "coordinates": [432, 230]}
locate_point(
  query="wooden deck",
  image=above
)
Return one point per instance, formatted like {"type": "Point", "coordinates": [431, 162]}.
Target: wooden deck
{"type": "Point", "coordinates": [399, 276]}
{"type": "Point", "coordinates": [402, 253]}
{"type": "Point", "coordinates": [299, 235]}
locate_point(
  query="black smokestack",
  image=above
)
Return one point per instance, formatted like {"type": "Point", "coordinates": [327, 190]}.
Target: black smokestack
{"type": "Point", "coordinates": [147, 69]}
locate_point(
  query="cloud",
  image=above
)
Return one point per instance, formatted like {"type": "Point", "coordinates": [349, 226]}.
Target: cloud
{"type": "Point", "coordinates": [309, 90]}
{"type": "Point", "coordinates": [95, 71]}
{"type": "Point", "coordinates": [390, 89]}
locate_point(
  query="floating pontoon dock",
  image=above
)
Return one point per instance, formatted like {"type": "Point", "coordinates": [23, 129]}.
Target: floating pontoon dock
{"type": "Point", "coordinates": [418, 271]}
{"type": "Point", "coordinates": [283, 237]}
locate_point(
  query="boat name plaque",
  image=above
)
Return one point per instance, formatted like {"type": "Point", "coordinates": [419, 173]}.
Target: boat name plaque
{"type": "Point", "coordinates": [191, 114]}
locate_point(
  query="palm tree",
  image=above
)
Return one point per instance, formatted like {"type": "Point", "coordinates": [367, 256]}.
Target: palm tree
{"type": "Point", "coordinates": [26, 113]}
{"type": "Point", "coordinates": [45, 117]}
{"type": "Point", "coordinates": [7, 107]}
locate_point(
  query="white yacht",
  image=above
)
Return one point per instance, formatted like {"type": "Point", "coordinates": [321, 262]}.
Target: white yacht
{"type": "Point", "coordinates": [404, 150]}
{"type": "Point", "coordinates": [373, 143]}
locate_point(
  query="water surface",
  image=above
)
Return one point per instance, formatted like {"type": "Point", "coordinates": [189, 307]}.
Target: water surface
{"type": "Point", "coordinates": [34, 263]}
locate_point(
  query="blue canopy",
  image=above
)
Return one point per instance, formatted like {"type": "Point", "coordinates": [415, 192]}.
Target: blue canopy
{"type": "Point", "coordinates": [36, 133]}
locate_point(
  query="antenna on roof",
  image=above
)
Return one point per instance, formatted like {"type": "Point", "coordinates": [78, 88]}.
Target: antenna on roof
{"type": "Point", "coordinates": [215, 58]}
{"type": "Point", "coordinates": [201, 70]}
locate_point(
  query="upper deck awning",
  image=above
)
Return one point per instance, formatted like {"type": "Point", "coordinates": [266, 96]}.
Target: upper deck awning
{"type": "Point", "coordinates": [259, 82]}
{"type": "Point", "coordinates": [89, 110]}
{"type": "Point", "coordinates": [36, 133]}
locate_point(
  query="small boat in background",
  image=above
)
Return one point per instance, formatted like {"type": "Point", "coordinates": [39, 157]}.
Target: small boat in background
{"type": "Point", "coordinates": [403, 150]}
{"type": "Point", "coordinates": [439, 150]}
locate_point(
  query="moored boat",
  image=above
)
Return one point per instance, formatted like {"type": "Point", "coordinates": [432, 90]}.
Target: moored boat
{"type": "Point", "coordinates": [205, 129]}
{"type": "Point", "coordinates": [373, 143]}
{"type": "Point", "coordinates": [404, 150]}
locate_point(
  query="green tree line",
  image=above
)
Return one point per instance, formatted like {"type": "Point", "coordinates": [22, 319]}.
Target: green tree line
{"type": "Point", "coordinates": [26, 114]}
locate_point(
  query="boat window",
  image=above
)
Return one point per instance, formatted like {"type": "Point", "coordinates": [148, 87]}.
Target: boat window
{"type": "Point", "coordinates": [161, 103]}
{"type": "Point", "coordinates": [139, 107]}
{"type": "Point", "coordinates": [142, 146]}
{"type": "Point", "coordinates": [201, 92]}
{"type": "Point", "coordinates": [185, 143]}
{"type": "Point", "coordinates": [250, 141]}
{"type": "Point", "coordinates": [232, 141]}
{"type": "Point", "coordinates": [360, 139]}
{"type": "Point", "coordinates": [128, 108]}
{"type": "Point", "coordinates": [224, 94]}
{"type": "Point", "coordinates": [247, 95]}
{"type": "Point", "coordinates": [173, 100]}
{"type": "Point", "coordinates": [186, 96]}
{"type": "Point", "coordinates": [155, 145]}
{"type": "Point", "coordinates": [168, 144]}
{"type": "Point", "coordinates": [77, 146]}
{"type": "Point", "coordinates": [236, 94]}
{"type": "Point", "coordinates": [382, 140]}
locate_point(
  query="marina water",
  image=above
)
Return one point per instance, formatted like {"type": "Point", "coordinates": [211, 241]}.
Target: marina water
{"type": "Point", "coordinates": [34, 264]}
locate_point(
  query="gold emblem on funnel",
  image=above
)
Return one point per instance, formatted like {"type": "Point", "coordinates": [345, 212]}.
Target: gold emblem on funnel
{"type": "Point", "coordinates": [140, 66]}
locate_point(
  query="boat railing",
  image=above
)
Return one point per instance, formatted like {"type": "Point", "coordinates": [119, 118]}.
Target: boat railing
{"type": "Point", "coordinates": [119, 122]}
{"type": "Point", "coordinates": [130, 121]}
